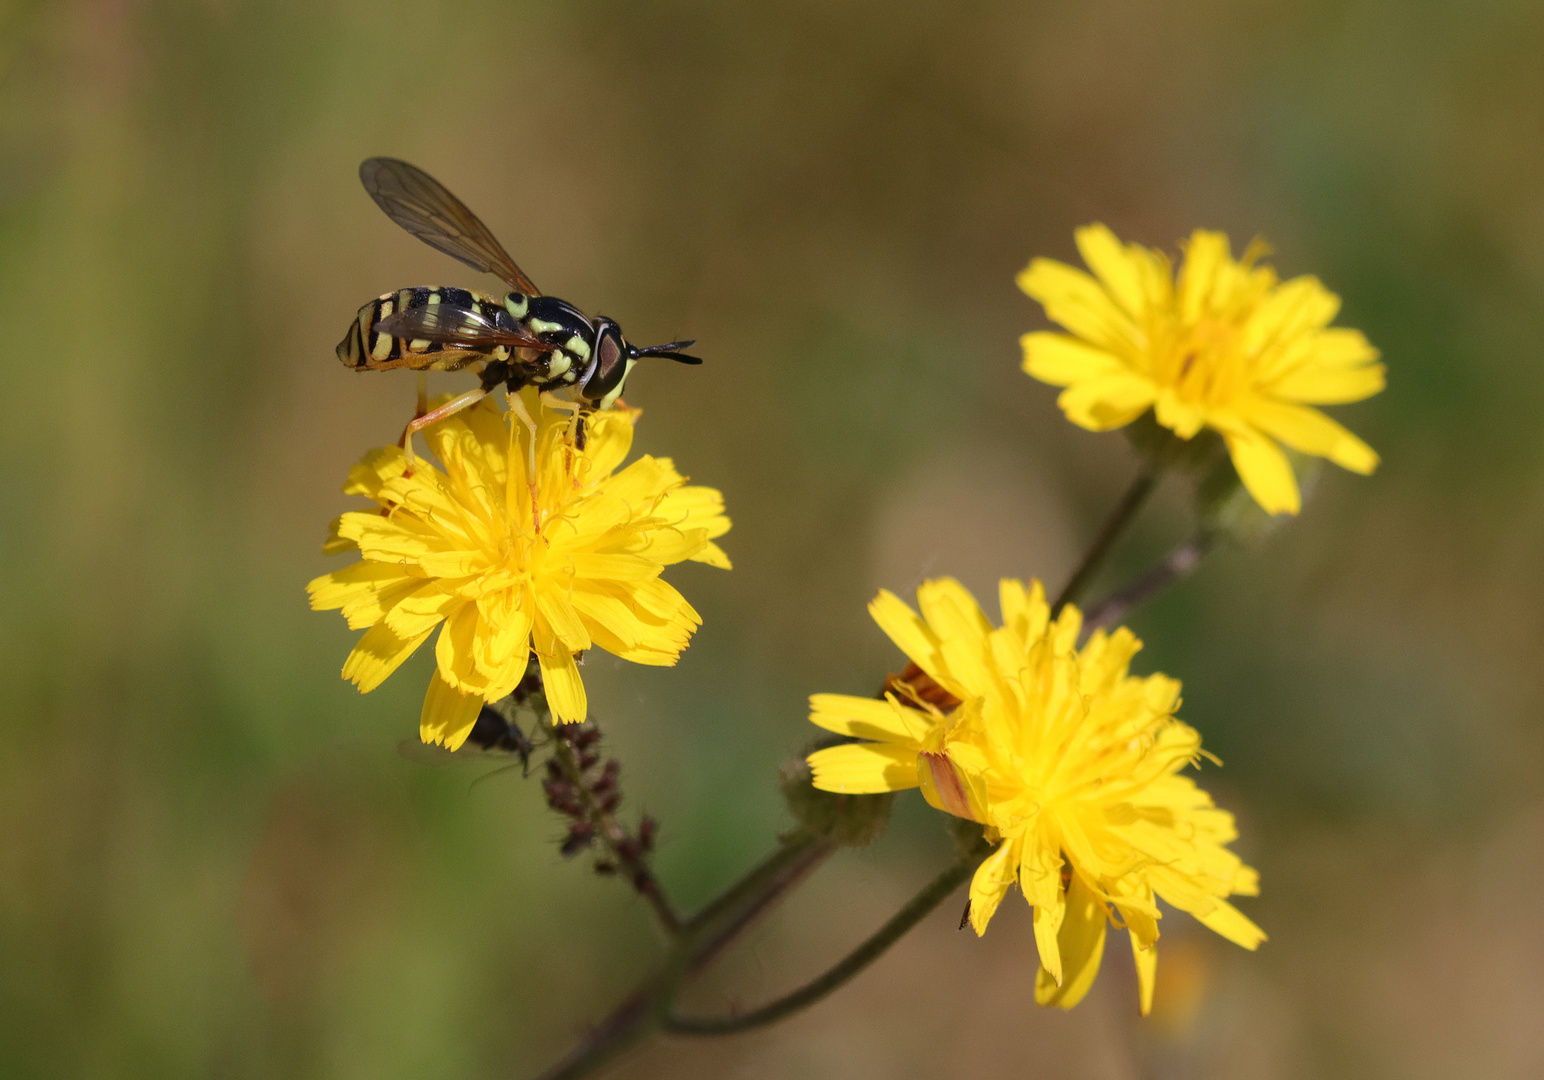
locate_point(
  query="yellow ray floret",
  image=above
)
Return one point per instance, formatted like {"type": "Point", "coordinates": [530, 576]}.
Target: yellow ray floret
{"type": "Point", "coordinates": [1070, 762]}
{"type": "Point", "coordinates": [1222, 344]}
{"type": "Point", "coordinates": [465, 550]}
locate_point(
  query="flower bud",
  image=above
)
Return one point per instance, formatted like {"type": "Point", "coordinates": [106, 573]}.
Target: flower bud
{"type": "Point", "coordinates": [1226, 507]}
{"type": "Point", "coordinates": [1161, 446]}
{"type": "Point", "coordinates": [849, 820]}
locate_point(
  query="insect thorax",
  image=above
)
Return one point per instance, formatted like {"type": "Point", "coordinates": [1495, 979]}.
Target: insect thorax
{"type": "Point", "coordinates": [561, 325]}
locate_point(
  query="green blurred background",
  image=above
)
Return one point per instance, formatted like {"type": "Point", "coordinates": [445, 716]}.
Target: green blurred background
{"type": "Point", "coordinates": [214, 861]}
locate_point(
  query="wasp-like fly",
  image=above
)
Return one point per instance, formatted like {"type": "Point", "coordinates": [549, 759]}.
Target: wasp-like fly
{"type": "Point", "coordinates": [524, 339]}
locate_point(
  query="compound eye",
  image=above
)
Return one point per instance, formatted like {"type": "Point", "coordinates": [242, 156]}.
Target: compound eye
{"type": "Point", "coordinates": [610, 356]}
{"type": "Point", "coordinates": [609, 367]}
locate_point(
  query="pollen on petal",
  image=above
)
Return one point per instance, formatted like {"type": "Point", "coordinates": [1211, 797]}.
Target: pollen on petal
{"type": "Point", "coordinates": [448, 715]}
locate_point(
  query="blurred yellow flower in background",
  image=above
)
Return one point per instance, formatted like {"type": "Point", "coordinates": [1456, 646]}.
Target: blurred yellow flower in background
{"type": "Point", "coordinates": [465, 547]}
{"type": "Point", "coordinates": [1069, 762]}
{"type": "Point", "coordinates": [1221, 344]}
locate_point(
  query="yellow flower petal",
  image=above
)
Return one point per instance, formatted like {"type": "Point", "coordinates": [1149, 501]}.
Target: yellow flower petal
{"type": "Point", "coordinates": [448, 715]}
{"type": "Point", "coordinates": [670, 546]}
{"type": "Point", "coordinates": [1265, 472]}
{"type": "Point", "coordinates": [421, 609]}
{"type": "Point", "coordinates": [377, 655]}
{"type": "Point", "coordinates": [560, 676]}
{"type": "Point", "coordinates": [1079, 303]}
{"type": "Point", "coordinates": [1117, 269]}
{"type": "Point", "coordinates": [1232, 924]}
{"type": "Point", "coordinates": [949, 787]}
{"type": "Point", "coordinates": [1107, 401]}
{"type": "Point", "coordinates": [864, 768]}
{"type": "Point", "coordinates": [335, 590]}
{"type": "Point", "coordinates": [1294, 309]}
{"type": "Point", "coordinates": [903, 627]}
{"type": "Point", "coordinates": [713, 555]}
{"type": "Point", "coordinates": [1081, 944]}
{"type": "Point", "coordinates": [1206, 258]}
{"type": "Point", "coordinates": [336, 544]}
{"type": "Point", "coordinates": [455, 651]}
{"type": "Point", "coordinates": [1324, 385]}
{"type": "Point", "coordinates": [869, 718]}
{"type": "Point", "coordinates": [1147, 974]}
{"type": "Point", "coordinates": [1061, 359]}
{"type": "Point", "coordinates": [561, 619]}
{"type": "Point", "coordinates": [951, 612]}
{"type": "Point", "coordinates": [1311, 432]}
{"type": "Point", "coordinates": [618, 626]}
{"type": "Point", "coordinates": [1048, 923]}
{"type": "Point", "coordinates": [991, 882]}
{"type": "Point", "coordinates": [609, 437]}
{"type": "Point", "coordinates": [613, 567]}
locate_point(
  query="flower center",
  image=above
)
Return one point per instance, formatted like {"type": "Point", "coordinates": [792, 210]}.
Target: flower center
{"type": "Point", "coordinates": [1206, 363]}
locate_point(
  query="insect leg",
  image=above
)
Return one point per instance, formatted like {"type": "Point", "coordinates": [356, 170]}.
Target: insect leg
{"type": "Point", "coordinates": [578, 408]}
{"type": "Point", "coordinates": [451, 407]}
{"type": "Point", "coordinates": [419, 409]}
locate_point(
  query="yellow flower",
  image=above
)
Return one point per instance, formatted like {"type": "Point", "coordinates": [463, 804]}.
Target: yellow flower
{"type": "Point", "coordinates": [465, 547]}
{"type": "Point", "coordinates": [1071, 763]}
{"type": "Point", "coordinates": [1222, 344]}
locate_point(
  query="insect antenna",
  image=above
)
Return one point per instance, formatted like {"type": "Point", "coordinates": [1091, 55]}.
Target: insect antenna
{"type": "Point", "coordinates": [671, 351]}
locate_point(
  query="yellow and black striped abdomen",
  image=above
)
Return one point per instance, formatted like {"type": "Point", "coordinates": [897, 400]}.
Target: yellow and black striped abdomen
{"type": "Point", "coordinates": [365, 350]}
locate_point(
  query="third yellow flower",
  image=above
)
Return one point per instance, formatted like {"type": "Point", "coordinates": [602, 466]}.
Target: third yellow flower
{"type": "Point", "coordinates": [1221, 344]}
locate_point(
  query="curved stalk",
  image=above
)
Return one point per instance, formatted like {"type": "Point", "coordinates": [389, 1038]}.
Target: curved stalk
{"type": "Point", "coordinates": [932, 894]}
{"type": "Point", "coordinates": [702, 938]}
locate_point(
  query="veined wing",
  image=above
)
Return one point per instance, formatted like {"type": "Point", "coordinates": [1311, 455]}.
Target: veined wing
{"type": "Point", "coordinates": [456, 326]}
{"type": "Point", "coordinates": [422, 205]}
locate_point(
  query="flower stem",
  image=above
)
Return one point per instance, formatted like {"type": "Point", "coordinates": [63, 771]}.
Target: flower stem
{"type": "Point", "coordinates": [933, 894]}
{"type": "Point", "coordinates": [1175, 566]}
{"type": "Point", "coordinates": [1123, 514]}
{"type": "Point", "coordinates": [729, 915]}
{"type": "Point", "coordinates": [702, 938]}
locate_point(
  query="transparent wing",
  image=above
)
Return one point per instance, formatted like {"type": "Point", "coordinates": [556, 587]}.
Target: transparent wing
{"type": "Point", "coordinates": [456, 326]}
{"type": "Point", "coordinates": [421, 205]}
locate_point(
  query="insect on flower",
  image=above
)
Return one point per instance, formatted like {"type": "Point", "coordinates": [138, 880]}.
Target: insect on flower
{"type": "Point", "coordinates": [524, 339]}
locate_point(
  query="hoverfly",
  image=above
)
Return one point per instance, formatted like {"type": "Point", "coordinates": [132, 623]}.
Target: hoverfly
{"type": "Point", "coordinates": [523, 339]}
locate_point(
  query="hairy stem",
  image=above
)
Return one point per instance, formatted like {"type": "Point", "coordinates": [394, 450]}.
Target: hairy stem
{"type": "Point", "coordinates": [1175, 566]}
{"type": "Point", "coordinates": [917, 908]}
{"type": "Point", "coordinates": [703, 937]}
{"type": "Point", "coordinates": [1120, 517]}
{"type": "Point", "coordinates": [721, 922]}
